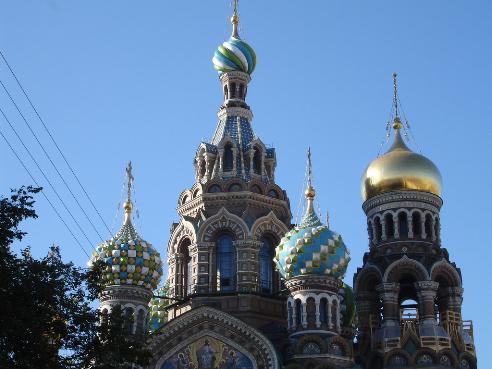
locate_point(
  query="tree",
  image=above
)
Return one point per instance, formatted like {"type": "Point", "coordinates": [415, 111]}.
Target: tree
{"type": "Point", "coordinates": [47, 319]}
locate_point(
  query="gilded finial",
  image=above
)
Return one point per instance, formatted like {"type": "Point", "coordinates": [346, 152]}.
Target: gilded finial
{"type": "Point", "coordinates": [128, 206]}
{"type": "Point", "coordinates": [235, 21]}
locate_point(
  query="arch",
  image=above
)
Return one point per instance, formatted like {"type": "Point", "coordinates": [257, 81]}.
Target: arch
{"type": "Point", "coordinates": [403, 224]}
{"type": "Point", "coordinates": [290, 322]}
{"type": "Point", "coordinates": [226, 92]}
{"type": "Point", "coordinates": [196, 324]}
{"type": "Point", "coordinates": [185, 265]}
{"type": "Point", "coordinates": [370, 231]}
{"type": "Point", "coordinates": [129, 319]}
{"type": "Point", "coordinates": [241, 91]}
{"type": "Point", "coordinates": [311, 312]}
{"type": "Point", "coordinates": [425, 357]}
{"type": "Point", "coordinates": [235, 187]}
{"type": "Point", "coordinates": [398, 358]}
{"type": "Point", "coordinates": [443, 271]}
{"type": "Point", "coordinates": [428, 226]}
{"type": "Point", "coordinates": [323, 310]}
{"type": "Point", "coordinates": [268, 224]}
{"type": "Point", "coordinates": [223, 220]}
{"type": "Point", "coordinates": [298, 312]}
{"type": "Point", "coordinates": [450, 355]}
{"type": "Point", "coordinates": [343, 347]}
{"type": "Point", "coordinates": [214, 188]}
{"type": "Point", "coordinates": [184, 197]}
{"type": "Point", "coordinates": [306, 340]}
{"type": "Point", "coordinates": [196, 192]}
{"type": "Point", "coordinates": [141, 322]}
{"type": "Point", "coordinates": [256, 189]}
{"type": "Point", "coordinates": [437, 228]}
{"type": "Point", "coordinates": [403, 266]}
{"type": "Point", "coordinates": [183, 229]}
{"type": "Point", "coordinates": [367, 279]}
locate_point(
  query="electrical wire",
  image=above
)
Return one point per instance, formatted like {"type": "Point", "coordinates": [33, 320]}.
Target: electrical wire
{"type": "Point", "coordinates": [46, 178]}
{"type": "Point", "coordinates": [54, 142]}
{"type": "Point", "coordinates": [44, 194]}
{"type": "Point", "coordinates": [50, 160]}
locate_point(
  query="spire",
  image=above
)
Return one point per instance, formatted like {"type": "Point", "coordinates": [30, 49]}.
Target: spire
{"type": "Point", "coordinates": [310, 218]}
{"type": "Point", "coordinates": [396, 122]}
{"type": "Point", "coordinates": [128, 205]}
{"type": "Point", "coordinates": [235, 21]}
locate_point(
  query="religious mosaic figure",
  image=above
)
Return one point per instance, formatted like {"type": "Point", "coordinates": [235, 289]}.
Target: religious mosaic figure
{"type": "Point", "coordinates": [205, 356]}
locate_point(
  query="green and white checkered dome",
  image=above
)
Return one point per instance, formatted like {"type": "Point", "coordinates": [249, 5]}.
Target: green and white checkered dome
{"type": "Point", "coordinates": [128, 259]}
{"type": "Point", "coordinates": [158, 312]}
{"type": "Point", "coordinates": [311, 247]}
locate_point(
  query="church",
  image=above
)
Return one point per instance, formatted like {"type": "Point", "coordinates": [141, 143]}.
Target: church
{"type": "Point", "coordinates": [247, 289]}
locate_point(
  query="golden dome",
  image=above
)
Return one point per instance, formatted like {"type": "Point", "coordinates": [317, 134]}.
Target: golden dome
{"type": "Point", "coordinates": [400, 169]}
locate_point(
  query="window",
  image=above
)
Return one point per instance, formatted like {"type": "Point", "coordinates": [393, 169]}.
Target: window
{"type": "Point", "coordinates": [226, 263]}
{"type": "Point", "coordinates": [233, 90]}
{"type": "Point", "coordinates": [214, 189]}
{"type": "Point", "coordinates": [311, 348]}
{"type": "Point", "coordinates": [273, 194]}
{"type": "Point", "coordinates": [428, 226]}
{"type": "Point", "coordinates": [323, 311]}
{"type": "Point", "coordinates": [379, 229]}
{"type": "Point", "coordinates": [298, 313]}
{"type": "Point", "coordinates": [235, 187]}
{"type": "Point", "coordinates": [266, 265]}
{"type": "Point", "coordinates": [141, 322]}
{"type": "Point", "coordinates": [289, 314]}
{"type": "Point", "coordinates": [228, 158]}
{"type": "Point", "coordinates": [257, 161]}
{"type": "Point", "coordinates": [390, 227]}
{"type": "Point", "coordinates": [186, 267]}
{"type": "Point", "coordinates": [403, 225]}
{"type": "Point", "coordinates": [255, 189]}
{"type": "Point", "coordinates": [203, 167]}
{"type": "Point", "coordinates": [416, 225]}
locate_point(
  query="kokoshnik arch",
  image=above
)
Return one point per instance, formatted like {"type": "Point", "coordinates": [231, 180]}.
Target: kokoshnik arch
{"type": "Point", "coordinates": [251, 290]}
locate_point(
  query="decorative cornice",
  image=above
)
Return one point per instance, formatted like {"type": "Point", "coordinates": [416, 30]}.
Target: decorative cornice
{"type": "Point", "coordinates": [394, 199]}
{"type": "Point", "coordinates": [224, 112]}
{"type": "Point", "coordinates": [121, 292]}
{"type": "Point", "coordinates": [313, 282]}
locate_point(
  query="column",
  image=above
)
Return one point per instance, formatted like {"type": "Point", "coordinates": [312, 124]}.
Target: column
{"type": "Point", "coordinates": [410, 226]}
{"type": "Point", "coordinates": [396, 226]}
{"type": "Point", "coordinates": [318, 321]}
{"type": "Point", "coordinates": [330, 324]}
{"type": "Point", "coordinates": [234, 161]}
{"type": "Point", "coordinates": [383, 229]}
{"type": "Point", "coordinates": [422, 226]}
{"type": "Point", "coordinates": [388, 293]}
{"type": "Point", "coordinates": [426, 295]}
{"type": "Point", "coordinates": [304, 315]}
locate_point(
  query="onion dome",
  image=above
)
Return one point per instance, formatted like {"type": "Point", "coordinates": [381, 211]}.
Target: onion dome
{"type": "Point", "coordinates": [129, 259]}
{"type": "Point", "coordinates": [235, 54]}
{"type": "Point", "coordinates": [311, 247]}
{"type": "Point", "coordinates": [158, 312]}
{"type": "Point", "coordinates": [400, 169]}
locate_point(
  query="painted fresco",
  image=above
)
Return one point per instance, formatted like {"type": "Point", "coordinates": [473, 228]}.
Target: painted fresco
{"type": "Point", "coordinates": [208, 353]}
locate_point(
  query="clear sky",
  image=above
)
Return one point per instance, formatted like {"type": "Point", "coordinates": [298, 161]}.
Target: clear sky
{"type": "Point", "coordinates": [120, 80]}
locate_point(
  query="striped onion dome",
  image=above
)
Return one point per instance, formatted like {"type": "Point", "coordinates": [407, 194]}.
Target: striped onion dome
{"type": "Point", "coordinates": [311, 248]}
{"type": "Point", "coordinates": [234, 55]}
{"type": "Point", "coordinates": [128, 259]}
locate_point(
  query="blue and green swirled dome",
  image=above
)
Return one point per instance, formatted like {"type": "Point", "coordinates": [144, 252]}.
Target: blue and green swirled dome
{"type": "Point", "coordinates": [311, 248]}
{"type": "Point", "coordinates": [128, 259]}
{"type": "Point", "coordinates": [234, 55]}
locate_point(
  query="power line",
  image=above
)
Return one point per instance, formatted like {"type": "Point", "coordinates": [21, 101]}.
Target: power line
{"type": "Point", "coordinates": [45, 177]}
{"type": "Point", "coordinates": [44, 194]}
{"type": "Point", "coordinates": [49, 158]}
{"type": "Point", "coordinates": [54, 142]}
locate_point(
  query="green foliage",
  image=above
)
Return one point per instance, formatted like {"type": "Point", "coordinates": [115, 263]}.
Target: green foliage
{"type": "Point", "coordinates": [47, 318]}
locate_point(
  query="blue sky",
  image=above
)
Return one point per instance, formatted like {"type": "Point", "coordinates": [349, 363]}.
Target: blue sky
{"type": "Point", "coordinates": [120, 80]}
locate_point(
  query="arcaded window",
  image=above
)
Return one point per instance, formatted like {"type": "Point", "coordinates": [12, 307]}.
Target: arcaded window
{"type": "Point", "coordinates": [298, 307]}
{"type": "Point", "coordinates": [416, 225]}
{"type": "Point", "coordinates": [266, 265]}
{"type": "Point", "coordinates": [403, 225]}
{"type": "Point", "coordinates": [228, 158]}
{"type": "Point", "coordinates": [428, 226]}
{"type": "Point", "coordinates": [379, 229]}
{"type": "Point", "coordinates": [233, 90]}
{"type": "Point", "coordinates": [226, 263]}
{"type": "Point", "coordinates": [141, 322]}
{"type": "Point", "coordinates": [185, 267]}
{"type": "Point", "coordinates": [390, 227]}
{"type": "Point", "coordinates": [323, 311]}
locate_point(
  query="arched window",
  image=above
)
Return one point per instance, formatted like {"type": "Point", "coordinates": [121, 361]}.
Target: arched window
{"type": "Point", "coordinates": [334, 313]}
{"type": "Point", "coordinates": [226, 92]}
{"type": "Point", "coordinates": [140, 322]}
{"type": "Point", "coordinates": [323, 311]}
{"type": "Point", "coordinates": [266, 265]}
{"type": "Point", "coordinates": [203, 167]}
{"type": "Point", "coordinates": [128, 320]}
{"type": "Point", "coordinates": [289, 314]}
{"type": "Point", "coordinates": [257, 161]}
{"type": "Point", "coordinates": [185, 199]}
{"type": "Point", "coordinates": [256, 189]}
{"type": "Point", "coordinates": [311, 312]}
{"type": "Point", "coordinates": [370, 231]}
{"type": "Point", "coordinates": [403, 225]}
{"type": "Point", "coordinates": [241, 88]}
{"type": "Point", "coordinates": [273, 194]}
{"type": "Point", "coordinates": [228, 158]}
{"type": "Point", "coordinates": [233, 90]}
{"type": "Point", "coordinates": [390, 226]}
{"type": "Point", "coordinates": [226, 263]}
{"type": "Point", "coordinates": [379, 229]}
{"type": "Point", "coordinates": [214, 189]}
{"type": "Point", "coordinates": [298, 313]}
{"type": "Point", "coordinates": [428, 226]}
{"type": "Point", "coordinates": [235, 187]}
{"type": "Point", "coordinates": [185, 267]}
{"type": "Point", "coordinates": [416, 225]}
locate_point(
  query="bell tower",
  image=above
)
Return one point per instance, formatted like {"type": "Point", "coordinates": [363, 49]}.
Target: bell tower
{"type": "Point", "coordinates": [408, 292]}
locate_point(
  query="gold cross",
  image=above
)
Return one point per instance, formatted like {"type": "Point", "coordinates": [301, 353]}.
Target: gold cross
{"type": "Point", "coordinates": [130, 177]}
